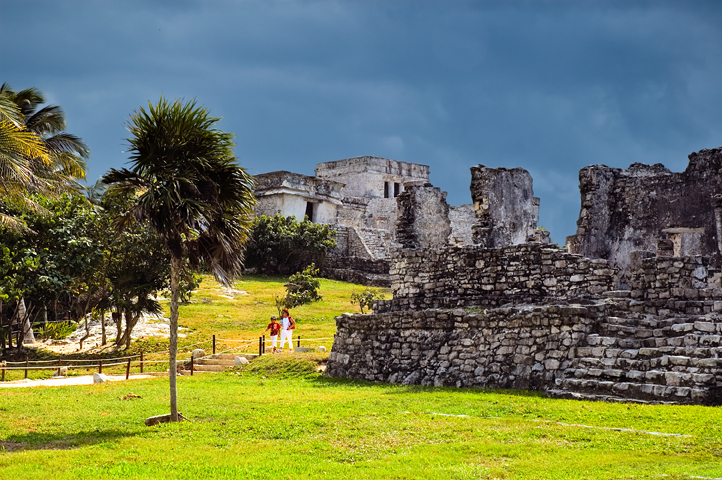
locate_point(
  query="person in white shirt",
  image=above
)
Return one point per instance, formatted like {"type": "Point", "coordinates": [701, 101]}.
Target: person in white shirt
{"type": "Point", "coordinates": [287, 326]}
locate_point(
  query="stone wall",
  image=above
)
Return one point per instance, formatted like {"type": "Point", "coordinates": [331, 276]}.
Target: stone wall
{"type": "Point", "coordinates": [501, 348]}
{"type": "Point", "coordinates": [423, 217]}
{"type": "Point", "coordinates": [625, 210]}
{"type": "Point", "coordinates": [507, 211]}
{"type": "Point", "coordinates": [668, 285]}
{"type": "Point", "coordinates": [462, 220]}
{"type": "Point", "coordinates": [600, 351]}
{"type": "Point", "coordinates": [357, 270]}
{"type": "Point", "coordinates": [473, 276]}
{"type": "Point", "coordinates": [521, 315]}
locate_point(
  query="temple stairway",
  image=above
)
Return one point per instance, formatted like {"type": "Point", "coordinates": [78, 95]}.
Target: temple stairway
{"type": "Point", "coordinates": [646, 359]}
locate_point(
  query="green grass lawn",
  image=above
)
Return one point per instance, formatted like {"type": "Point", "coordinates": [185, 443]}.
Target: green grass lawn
{"type": "Point", "coordinates": [281, 419]}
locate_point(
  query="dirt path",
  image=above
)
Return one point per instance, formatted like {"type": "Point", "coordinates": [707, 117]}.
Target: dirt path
{"type": "Point", "coordinates": [63, 381]}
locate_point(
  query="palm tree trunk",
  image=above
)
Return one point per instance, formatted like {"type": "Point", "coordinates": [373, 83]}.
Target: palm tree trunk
{"type": "Point", "coordinates": [175, 268]}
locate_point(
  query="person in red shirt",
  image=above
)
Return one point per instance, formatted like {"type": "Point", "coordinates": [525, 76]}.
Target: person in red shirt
{"type": "Point", "coordinates": [274, 327]}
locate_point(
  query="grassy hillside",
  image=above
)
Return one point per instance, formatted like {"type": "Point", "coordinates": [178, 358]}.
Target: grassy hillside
{"type": "Point", "coordinates": [244, 311]}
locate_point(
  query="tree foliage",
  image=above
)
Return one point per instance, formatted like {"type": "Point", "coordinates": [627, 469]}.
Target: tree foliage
{"type": "Point", "coordinates": [302, 287]}
{"type": "Point", "coordinates": [36, 154]}
{"type": "Point", "coordinates": [282, 244]}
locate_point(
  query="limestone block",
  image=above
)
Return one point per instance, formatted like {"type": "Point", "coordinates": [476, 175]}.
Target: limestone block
{"type": "Point", "coordinates": [705, 326]}
{"type": "Point", "coordinates": [198, 353]}
{"type": "Point", "coordinates": [100, 377]}
{"type": "Point", "coordinates": [240, 361]}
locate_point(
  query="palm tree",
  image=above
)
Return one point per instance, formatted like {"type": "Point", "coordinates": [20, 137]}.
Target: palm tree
{"type": "Point", "coordinates": [190, 189]}
{"type": "Point", "coordinates": [68, 153]}
{"type": "Point", "coordinates": [36, 155]}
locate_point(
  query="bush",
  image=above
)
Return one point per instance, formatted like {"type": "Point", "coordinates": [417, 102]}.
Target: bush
{"type": "Point", "coordinates": [55, 330]}
{"type": "Point", "coordinates": [302, 287]}
{"type": "Point", "coordinates": [366, 298]}
{"type": "Point", "coordinates": [284, 245]}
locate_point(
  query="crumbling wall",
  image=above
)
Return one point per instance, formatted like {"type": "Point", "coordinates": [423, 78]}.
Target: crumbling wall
{"type": "Point", "coordinates": [507, 211]}
{"type": "Point", "coordinates": [668, 285]}
{"type": "Point", "coordinates": [423, 217]}
{"type": "Point", "coordinates": [501, 348]}
{"type": "Point", "coordinates": [473, 276]}
{"type": "Point", "coordinates": [606, 349]}
{"type": "Point", "coordinates": [526, 316]}
{"type": "Point", "coordinates": [596, 352]}
{"type": "Point", "coordinates": [463, 218]}
{"type": "Point", "coordinates": [625, 210]}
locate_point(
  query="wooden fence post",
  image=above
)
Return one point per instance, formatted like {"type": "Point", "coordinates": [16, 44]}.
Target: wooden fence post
{"type": "Point", "coordinates": [26, 365]}
{"type": "Point", "coordinates": [214, 344]}
{"type": "Point", "coordinates": [127, 370]}
{"type": "Point", "coordinates": [191, 364]}
{"type": "Point", "coordinates": [260, 346]}
{"type": "Point", "coordinates": [264, 344]}
{"type": "Point", "coordinates": [299, 341]}
{"type": "Point", "coordinates": [141, 361]}
{"type": "Point", "coordinates": [100, 366]}
{"type": "Point", "coordinates": [3, 374]}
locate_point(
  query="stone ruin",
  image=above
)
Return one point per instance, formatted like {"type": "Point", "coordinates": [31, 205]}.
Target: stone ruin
{"type": "Point", "coordinates": [629, 312]}
{"type": "Point", "coordinates": [357, 197]}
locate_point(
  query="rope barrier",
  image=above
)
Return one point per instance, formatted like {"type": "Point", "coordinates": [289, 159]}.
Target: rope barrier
{"type": "Point", "coordinates": [196, 344]}
{"type": "Point", "coordinates": [73, 360]}
{"type": "Point", "coordinates": [233, 340]}
{"type": "Point", "coordinates": [94, 366]}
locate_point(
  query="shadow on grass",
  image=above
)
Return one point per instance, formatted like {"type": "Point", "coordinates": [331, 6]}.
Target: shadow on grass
{"type": "Point", "coordinates": [61, 441]}
{"type": "Point", "coordinates": [396, 389]}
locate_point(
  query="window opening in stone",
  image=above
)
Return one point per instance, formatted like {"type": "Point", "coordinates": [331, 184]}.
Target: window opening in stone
{"type": "Point", "coordinates": [386, 190]}
{"type": "Point", "coordinates": [309, 210]}
{"type": "Point", "coordinates": [397, 189]}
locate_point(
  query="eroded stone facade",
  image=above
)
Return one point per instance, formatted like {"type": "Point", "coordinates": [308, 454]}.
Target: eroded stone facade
{"type": "Point", "coordinates": [648, 208]}
{"type": "Point", "coordinates": [534, 317]}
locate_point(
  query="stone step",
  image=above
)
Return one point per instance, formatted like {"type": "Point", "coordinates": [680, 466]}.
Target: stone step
{"type": "Point", "coordinates": [658, 375]}
{"type": "Point", "coordinates": [207, 368]}
{"type": "Point", "coordinates": [214, 361]}
{"type": "Point", "coordinates": [590, 397]}
{"type": "Point", "coordinates": [632, 391]}
{"type": "Point", "coordinates": [699, 350]}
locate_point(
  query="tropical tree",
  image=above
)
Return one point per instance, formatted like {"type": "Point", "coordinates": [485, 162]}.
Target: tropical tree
{"type": "Point", "coordinates": [189, 188]}
{"type": "Point", "coordinates": [36, 154]}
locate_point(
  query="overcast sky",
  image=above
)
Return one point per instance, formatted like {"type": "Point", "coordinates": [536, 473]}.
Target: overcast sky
{"type": "Point", "coordinates": [550, 86]}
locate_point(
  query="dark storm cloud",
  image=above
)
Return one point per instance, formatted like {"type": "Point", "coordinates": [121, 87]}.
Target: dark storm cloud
{"type": "Point", "coordinates": [550, 86]}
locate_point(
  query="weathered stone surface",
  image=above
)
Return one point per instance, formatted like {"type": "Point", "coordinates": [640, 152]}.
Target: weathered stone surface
{"type": "Point", "coordinates": [644, 206]}
{"type": "Point", "coordinates": [198, 353]}
{"type": "Point", "coordinates": [507, 211]}
{"type": "Point", "coordinates": [100, 377]}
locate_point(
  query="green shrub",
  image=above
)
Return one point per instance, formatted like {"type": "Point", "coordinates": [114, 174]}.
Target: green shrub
{"type": "Point", "coordinates": [279, 244]}
{"type": "Point", "coordinates": [366, 298]}
{"type": "Point", "coordinates": [302, 287]}
{"type": "Point", "coordinates": [55, 330]}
